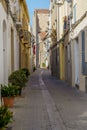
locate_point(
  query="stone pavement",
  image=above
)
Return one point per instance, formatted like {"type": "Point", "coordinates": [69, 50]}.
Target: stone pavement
{"type": "Point", "coordinates": [49, 104]}
{"type": "Point", "coordinates": [71, 103]}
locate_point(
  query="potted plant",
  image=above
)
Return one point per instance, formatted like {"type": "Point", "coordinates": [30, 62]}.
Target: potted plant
{"type": "Point", "coordinates": [18, 78]}
{"type": "Point", "coordinates": [6, 116]}
{"type": "Point", "coordinates": [26, 71]}
{"type": "Point", "coordinates": [8, 93]}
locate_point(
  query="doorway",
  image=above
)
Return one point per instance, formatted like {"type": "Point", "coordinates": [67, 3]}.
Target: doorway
{"type": "Point", "coordinates": [76, 48]}
{"type": "Point", "coordinates": [12, 50]}
{"type": "Point", "coordinates": [4, 54]}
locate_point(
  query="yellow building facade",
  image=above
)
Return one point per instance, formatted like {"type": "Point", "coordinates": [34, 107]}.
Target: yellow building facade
{"type": "Point", "coordinates": [62, 61]}
{"type": "Point", "coordinates": [64, 13]}
{"type": "Point", "coordinates": [25, 35]}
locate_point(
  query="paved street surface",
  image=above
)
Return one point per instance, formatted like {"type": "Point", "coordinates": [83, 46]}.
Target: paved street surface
{"type": "Point", "coordinates": [49, 104]}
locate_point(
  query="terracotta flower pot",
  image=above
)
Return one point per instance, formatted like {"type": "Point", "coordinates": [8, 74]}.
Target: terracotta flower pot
{"type": "Point", "coordinates": [8, 101]}
{"type": "Point", "coordinates": [2, 129]}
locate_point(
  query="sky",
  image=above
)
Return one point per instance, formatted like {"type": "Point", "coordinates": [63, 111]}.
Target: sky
{"type": "Point", "coordinates": [36, 4]}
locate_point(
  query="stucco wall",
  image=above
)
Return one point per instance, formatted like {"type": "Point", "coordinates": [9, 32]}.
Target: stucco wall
{"type": "Point", "coordinates": [3, 17]}
{"type": "Point", "coordinates": [78, 33]}
{"type": "Point", "coordinates": [53, 15]}
{"type": "Point", "coordinates": [42, 21]}
{"type": "Point", "coordinates": [16, 46]}
{"type": "Point", "coordinates": [81, 8]}
{"type": "Point", "coordinates": [5, 55]}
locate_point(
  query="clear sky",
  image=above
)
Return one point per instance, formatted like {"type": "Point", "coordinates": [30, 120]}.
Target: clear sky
{"type": "Point", "coordinates": [36, 4]}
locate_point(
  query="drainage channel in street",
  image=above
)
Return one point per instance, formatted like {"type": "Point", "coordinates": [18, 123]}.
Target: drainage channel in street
{"type": "Point", "coordinates": [54, 116]}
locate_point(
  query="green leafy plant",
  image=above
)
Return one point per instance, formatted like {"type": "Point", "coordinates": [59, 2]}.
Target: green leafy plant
{"type": "Point", "coordinates": [26, 71]}
{"type": "Point", "coordinates": [18, 78]}
{"type": "Point", "coordinates": [43, 65]}
{"type": "Point", "coordinates": [6, 116]}
{"type": "Point", "coordinates": [9, 90]}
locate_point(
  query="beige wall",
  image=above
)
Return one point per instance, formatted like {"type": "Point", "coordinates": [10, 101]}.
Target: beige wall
{"type": "Point", "coordinates": [64, 10]}
{"type": "Point", "coordinates": [54, 15]}
{"type": "Point", "coordinates": [81, 8]}
{"type": "Point", "coordinates": [43, 19]}
{"type": "Point", "coordinates": [41, 53]}
{"type": "Point", "coordinates": [77, 33]}
{"type": "Point", "coordinates": [40, 24]}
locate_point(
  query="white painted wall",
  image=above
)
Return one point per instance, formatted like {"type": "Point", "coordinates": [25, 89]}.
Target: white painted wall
{"type": "Point", "coordinates": [5, 47]}
{"type": "Point", "coordinates": [16, 50]}
{"type": "Point", "coordinates": [5, 65]}
{"type": "Point", "coordinates": [81, 8]}
{"type": "Point", "coordinates": [80, 26]}
{"type": "Point", "coordinates": [16, 46]}
{"type": "Point", "coordinates": [77, 33]}
{"type": "Point", "coordinates": [3, 78]}
{"type": "Point", "coordinates": [3, 17]}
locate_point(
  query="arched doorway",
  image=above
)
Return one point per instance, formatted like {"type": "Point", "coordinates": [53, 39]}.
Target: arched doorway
{"type": "Point", "coordinates": [4, 53]}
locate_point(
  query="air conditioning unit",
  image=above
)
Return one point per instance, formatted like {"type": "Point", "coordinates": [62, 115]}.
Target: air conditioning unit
{"type": "Point", "coordinates": [59, 2]}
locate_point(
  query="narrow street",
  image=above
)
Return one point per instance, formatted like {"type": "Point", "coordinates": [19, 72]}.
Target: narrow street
{"type": "Point", "coordinates": [49, 104]}
{"type": "Point", "coordinates": [52, 35]}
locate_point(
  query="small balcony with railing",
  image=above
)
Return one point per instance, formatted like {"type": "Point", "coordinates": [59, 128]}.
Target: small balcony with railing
{"type": "Point", "coordinates": [25, 36]}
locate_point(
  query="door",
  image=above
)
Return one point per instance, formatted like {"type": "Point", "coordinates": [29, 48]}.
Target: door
{"type": "Point", "coordinates": [4, 54]}
{"type": "Point", "coordinates": [76, 47]}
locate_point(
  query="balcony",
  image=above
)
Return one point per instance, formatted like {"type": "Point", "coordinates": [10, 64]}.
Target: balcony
{"type": "Point", "coordinates": [25, 36]}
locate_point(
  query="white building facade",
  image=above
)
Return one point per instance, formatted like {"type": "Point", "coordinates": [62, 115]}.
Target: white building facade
{"type": "Point", "coordinates": [9, 44]}
{"type": "Point", "coordinates": [79, 44]}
